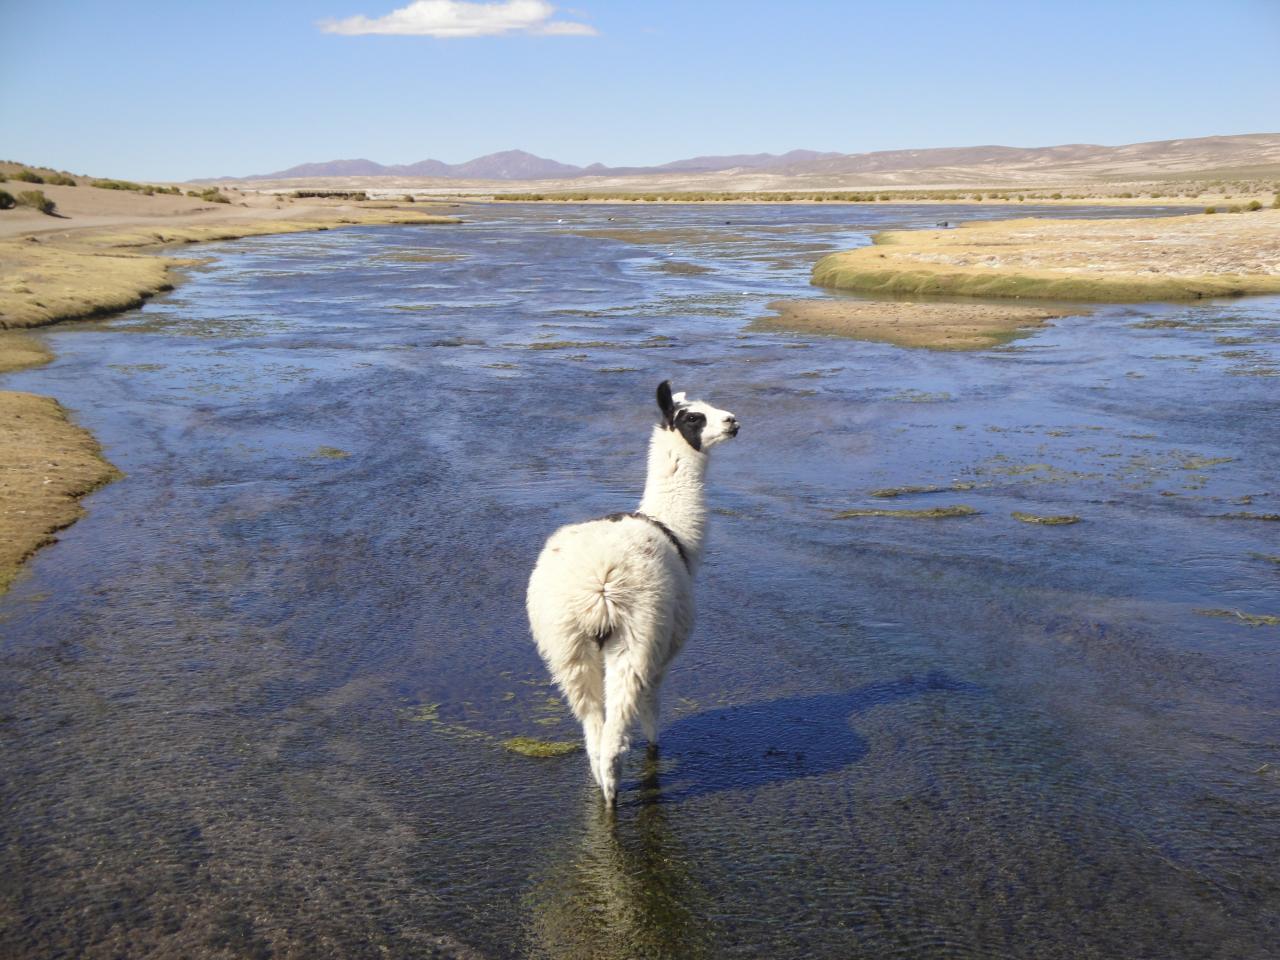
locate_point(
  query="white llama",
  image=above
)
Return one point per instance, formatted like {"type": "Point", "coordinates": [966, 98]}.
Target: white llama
{"type": "Point", "coordinates": [611, 600]}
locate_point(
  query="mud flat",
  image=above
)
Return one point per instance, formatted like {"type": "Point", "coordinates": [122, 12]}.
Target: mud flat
{"type": "Point", "coordinates": [1173, 258]}
{"type": "Point", "coordinates": [932, 325]}
{"type": "Point", "coordinates": [50, 274]}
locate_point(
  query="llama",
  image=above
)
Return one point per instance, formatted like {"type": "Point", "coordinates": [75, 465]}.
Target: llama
{"type": "Point", "coordinates": [611, 600]}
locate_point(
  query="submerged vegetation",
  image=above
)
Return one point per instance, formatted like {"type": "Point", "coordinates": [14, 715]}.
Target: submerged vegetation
{"type": "Point", "coordinates": [933, 513]}
{"type": "Point", "coordinates": [885, 493]}
{"type": "Point", "coordinates": [530, 747]}
{"type": "Point", "coordinates": [1251, 619]}
{"type": "Point", "coordinates": [1048, 521]}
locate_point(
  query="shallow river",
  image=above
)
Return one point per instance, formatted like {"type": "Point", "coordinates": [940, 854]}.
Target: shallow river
{"type": "Point", "coordinates": [253, 704]}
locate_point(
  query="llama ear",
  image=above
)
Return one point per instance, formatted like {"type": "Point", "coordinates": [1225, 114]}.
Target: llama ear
{"type": "Point", "coordinates": [665, 403]}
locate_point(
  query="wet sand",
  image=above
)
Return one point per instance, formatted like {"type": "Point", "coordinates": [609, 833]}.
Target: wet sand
{"type": "Point", "coordinates": [93, 259]}
{"type": "Point", "coordinates": [935, 326]}
{"type": "Point", "coordinates": [1172, 258]}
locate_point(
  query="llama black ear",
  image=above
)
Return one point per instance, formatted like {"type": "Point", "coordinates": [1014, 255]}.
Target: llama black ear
{"type": "Point", "coordinates": [665, 403]}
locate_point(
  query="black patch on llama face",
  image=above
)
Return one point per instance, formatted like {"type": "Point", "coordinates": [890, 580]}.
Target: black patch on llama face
{"type": "Point", "coordinates": [690, 426]}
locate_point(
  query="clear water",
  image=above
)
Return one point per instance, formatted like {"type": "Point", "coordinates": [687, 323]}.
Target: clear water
{"type": "Point", "coordinates": [251, 705]}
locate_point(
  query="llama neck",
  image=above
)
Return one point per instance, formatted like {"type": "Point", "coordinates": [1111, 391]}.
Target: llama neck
{"type": "Point", "coordinates": [673, 491]}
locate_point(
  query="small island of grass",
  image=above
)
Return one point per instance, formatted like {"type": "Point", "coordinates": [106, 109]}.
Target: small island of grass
{"type": "Point", "coordinates": [1165, 258]}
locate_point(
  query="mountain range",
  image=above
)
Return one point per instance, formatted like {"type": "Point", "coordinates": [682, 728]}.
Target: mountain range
{"type": "Point", "coordinates": [519, 165]}
{"type": "Point", "coordinates": [1160, 157]}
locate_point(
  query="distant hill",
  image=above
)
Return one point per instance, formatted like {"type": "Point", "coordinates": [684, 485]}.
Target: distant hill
{"type": "Point", "coordinates": [1156, 158]}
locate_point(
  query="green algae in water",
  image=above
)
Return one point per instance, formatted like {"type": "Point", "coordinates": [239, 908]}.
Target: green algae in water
{"type": "Point", "coordinates": [935, 513]}
{"type": "Point", "coordinates": [427, 713]}
{"type": "Point", "coordinates": [329, 453]}
{"type": "Point", "coordinates": [1245, 515]}
{"type": "Point", "coordinates": [1051, 521]}
{"type": "Point", "coordinates": [886, 493]}
{"type": "Point", "coordinates": [920, 396]}
{"type": "Point", "coordinates": [1200, 463]}
{"type": "Point", "coordinates": [1251, 619]}
{"type": "Point", "coordinates": [530, 747]}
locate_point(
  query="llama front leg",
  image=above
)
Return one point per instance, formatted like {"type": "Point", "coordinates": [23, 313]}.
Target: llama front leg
{"type": "Point", "coordinates": [623, 689]}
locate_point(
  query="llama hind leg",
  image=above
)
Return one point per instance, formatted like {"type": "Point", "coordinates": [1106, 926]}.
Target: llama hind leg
{"type": "Point", "coordinates": [582, 683]}
{"type": "Point", "coordinates": [650, 707]}
{"type": "Point", "coordinates": [623, 690]}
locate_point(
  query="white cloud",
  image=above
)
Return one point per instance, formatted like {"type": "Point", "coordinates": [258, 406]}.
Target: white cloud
{"type": "Point", "coordinates": [456, 18]}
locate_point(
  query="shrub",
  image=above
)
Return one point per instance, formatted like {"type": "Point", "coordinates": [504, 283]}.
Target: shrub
{"type": "Point", "coordinates": [1235, 208]}
{"type": "Point", "coordinates": [321, 194]}
{"type": "Point", "coordinates": [36, 200]}
{"type": "Point", "coordinates": [1210, 209]}
{"type": "Point", "coordinates": [1254, 205]}
{"type": "Point", "coordinates": [60, 180]}
{"type": "Point", "coordinates": [208, 194]}
{"type": "Point", "coordinates": [28, 176]}
{"type": "Point", "coordinates": [6, 200]}
{"type": "Point", "coordinates": [116, 185]}
{"type": "Point", "coordinates": [408, 198]}
{"type": "Point", "coordinates": [1276, 203]}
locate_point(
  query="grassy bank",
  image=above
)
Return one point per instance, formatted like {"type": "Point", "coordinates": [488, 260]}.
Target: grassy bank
{"type": "Point", "coordinates": [85, 274]}
{"type": "Point", "coordinates": [1173, 258]}
{"type": "Point", "coordinates": [47, 464]}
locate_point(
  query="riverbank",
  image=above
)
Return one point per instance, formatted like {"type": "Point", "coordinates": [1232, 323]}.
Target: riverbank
{"type": "Point", "coordinates": [99, 258]}
{"type": "Point", "coordinates": [931, 325]}
{"type": "Point", "coordinates": [1172, 258]}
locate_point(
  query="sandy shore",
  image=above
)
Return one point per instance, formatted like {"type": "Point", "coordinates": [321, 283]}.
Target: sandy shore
{"type": "Point", "coordinates": [94, 259]}
{"type": "Point", "coordinates": [1174, 258]}
{"type": "Point", "coordinates": [934, 325]}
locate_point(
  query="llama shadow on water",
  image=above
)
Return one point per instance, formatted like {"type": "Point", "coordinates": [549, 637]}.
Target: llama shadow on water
{"type": "Point", "coordinates": [749, 746]}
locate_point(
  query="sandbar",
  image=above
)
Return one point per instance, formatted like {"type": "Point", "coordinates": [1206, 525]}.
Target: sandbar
{"type": "Point", "coordinates": [939, 325]}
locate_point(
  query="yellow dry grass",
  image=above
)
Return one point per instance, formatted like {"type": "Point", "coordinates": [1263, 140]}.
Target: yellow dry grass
{"type": "Point", "coordinates": [1172, 258]}
{"type": "Point", "coordinates": [932, 325]}
{"type": "Point", "coordinates": [47, 464]}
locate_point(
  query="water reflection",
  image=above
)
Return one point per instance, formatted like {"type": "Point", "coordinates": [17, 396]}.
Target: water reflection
{"type": "Point", "coordinates": [625, 887]}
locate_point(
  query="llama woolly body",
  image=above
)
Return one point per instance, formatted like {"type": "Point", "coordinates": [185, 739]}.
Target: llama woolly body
{"type": "Point", "coordinates": [610, 601]}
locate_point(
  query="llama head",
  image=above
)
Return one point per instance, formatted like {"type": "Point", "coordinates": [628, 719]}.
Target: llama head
{"type": "Point", "coordinates": [701, 424]}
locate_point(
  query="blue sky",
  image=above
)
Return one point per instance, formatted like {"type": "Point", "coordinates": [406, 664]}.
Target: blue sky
{"type": "Point", "coordinates": [151, 90]}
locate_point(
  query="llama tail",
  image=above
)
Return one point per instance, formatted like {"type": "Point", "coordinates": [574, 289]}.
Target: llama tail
{"type": "Point", "coordinates": [601, 604]}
